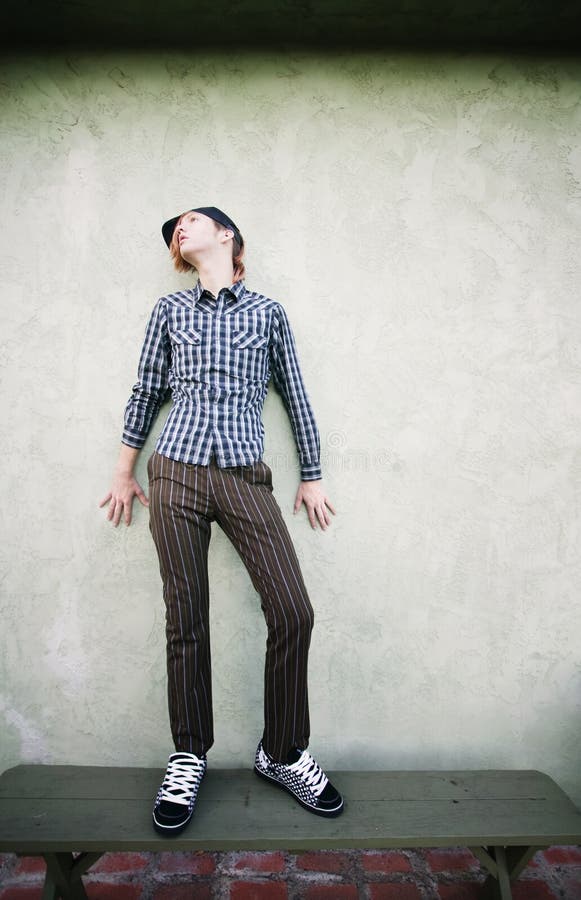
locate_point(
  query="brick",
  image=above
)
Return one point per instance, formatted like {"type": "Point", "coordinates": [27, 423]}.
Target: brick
{"type": "Point", "coordinates": [394, 892]}
{"type": "Point", "coordinates": [29, 865]}
{"type": "Point", "coordinates": [330, 892]}
{"type": "Point", "coordinates": [120, 862]}
{"type": "Point", "coordinates": [201, 863]}
{"type": "Point", "coordinates": [21, 892]}
{"type": "Point", "coordinates": [471, 890]}
{"type": "Point", "coordinates": [532, 890]}
{"type": "Point", "coordinates": [385, 862]}
{"type": "Point", "coordinates": [453, 860]}
{"type": "Point", "coordinates": [323, 861]}
{"type": "Point", "coordinates": [183, 892]}
{"type": "Point", "coordinates": [258, 890]}
{"type": "Point", "coordinates": [566, 855]}
{"type": "Point", "coordinates": [260, 862]}
{"type": "Point", "coordinates": [100, 891]}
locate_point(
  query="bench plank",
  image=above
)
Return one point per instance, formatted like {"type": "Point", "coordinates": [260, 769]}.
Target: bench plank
{"type": "Point", "coordinates": [102, 808]}
{"type": "Point", "coordinates": [142, 783]}
{"type": "Point", "coordinates": [268, 824]}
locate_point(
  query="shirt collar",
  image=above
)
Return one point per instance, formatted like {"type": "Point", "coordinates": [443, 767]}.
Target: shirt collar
{"type": "Point", "coordinates": [233, 294]}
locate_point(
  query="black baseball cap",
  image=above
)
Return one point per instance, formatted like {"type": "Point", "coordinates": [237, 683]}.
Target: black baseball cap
{"type": "Point", "coordinates": [167, 229]}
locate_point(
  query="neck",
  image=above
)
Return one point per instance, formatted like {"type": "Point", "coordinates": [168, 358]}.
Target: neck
{"type": "Point", "coordinates": [214, 277]}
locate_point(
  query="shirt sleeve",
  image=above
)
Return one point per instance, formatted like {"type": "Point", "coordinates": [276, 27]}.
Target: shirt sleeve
{"type": "Point", "coordinates": [151, 388]}
{"type": "Point", "coordinates": [288, 381]}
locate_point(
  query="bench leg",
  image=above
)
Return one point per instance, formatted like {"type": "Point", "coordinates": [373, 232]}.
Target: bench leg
{"type": "Point", "coordinates": [503, 876]}
{"type": "Point", "coordinates": [505, 865]}
{"type": "Point", "coordinates": [63, 875]}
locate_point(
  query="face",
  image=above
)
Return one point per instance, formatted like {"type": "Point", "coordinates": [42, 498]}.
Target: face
{"type": "Point", "coordinates": [197, 232]}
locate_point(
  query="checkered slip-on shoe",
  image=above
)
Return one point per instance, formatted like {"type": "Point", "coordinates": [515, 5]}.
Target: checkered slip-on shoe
{"type": "Point", "coordinates": [176, 798]}
{"type": "Point", "coordinates": [303, 778]}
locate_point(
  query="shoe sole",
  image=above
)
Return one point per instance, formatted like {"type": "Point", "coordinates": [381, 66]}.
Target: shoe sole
{"type": "Point", "coordinates": [326, 814]}
{"type": "Point", "coordinates": [170, 830]}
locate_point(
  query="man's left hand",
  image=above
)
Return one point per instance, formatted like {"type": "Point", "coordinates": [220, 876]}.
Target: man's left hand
{"type": "Point", "coordinates": [311, 493]}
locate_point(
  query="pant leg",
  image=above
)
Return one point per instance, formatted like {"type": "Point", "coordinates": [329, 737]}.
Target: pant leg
{"type": "Point", "coordinates": [251, 518]}
{"type": "Point", "coordinates": [180, 521]}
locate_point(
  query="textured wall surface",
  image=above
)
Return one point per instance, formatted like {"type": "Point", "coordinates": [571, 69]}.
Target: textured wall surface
{"type": "Point", "coordinates": [418, 216]}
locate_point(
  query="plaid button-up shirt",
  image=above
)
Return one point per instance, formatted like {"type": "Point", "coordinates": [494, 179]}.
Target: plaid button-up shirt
{"type": "Point", "coordinates": [216, 356]}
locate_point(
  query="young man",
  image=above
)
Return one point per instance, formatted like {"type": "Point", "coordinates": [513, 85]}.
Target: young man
{"type": "Point", "coordinates": [214, 346]}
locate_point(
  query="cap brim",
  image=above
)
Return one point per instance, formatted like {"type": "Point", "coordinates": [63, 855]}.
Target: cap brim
{"type": "Point", "coordinates": [168, 228]}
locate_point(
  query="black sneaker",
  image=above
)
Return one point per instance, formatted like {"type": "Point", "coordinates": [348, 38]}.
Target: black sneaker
{"type": "Point", "coordinates": [303, 778]}
{"type": "Point", "coordinates": [176, 798]}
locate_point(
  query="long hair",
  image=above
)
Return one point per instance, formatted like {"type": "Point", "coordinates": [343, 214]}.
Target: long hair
{"type": "Point", "coordinates": [182, 265]}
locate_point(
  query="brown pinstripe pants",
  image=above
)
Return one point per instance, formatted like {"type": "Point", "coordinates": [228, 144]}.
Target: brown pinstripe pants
{"type": "Point", "coordinates": [183, 502]}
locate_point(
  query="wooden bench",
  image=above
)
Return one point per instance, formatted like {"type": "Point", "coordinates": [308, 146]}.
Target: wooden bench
{"type": "Point", "coordinates": [71, 815]}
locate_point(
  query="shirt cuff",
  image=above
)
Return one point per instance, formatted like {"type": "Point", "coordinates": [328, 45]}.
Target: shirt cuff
{"type": "Point", "coordinates": [311, 473]}
{"type": "Point", "coordinates": [132, 440]}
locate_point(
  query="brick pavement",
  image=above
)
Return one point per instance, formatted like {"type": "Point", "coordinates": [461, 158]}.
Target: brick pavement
{"type": "Point", "coordinates": [431, 874]}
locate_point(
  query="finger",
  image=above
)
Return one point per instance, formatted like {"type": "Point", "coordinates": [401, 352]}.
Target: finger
{"type": "Point", "coordinates": [312, 518]}
{"type": "Point", "coordinates": [128, 513]}
{"type": "Point", "coordinates": [111, 510]}
{"type": "Point", "coordinates": [323, 518]}
{"type": "Point", "coordinates": [142, 498]}
{"type": "Point", "coordinates": [118, 512]}
{"type": "Point", "coordinates": [330, 505]}
{"type": "Point", "coordinates": [105, 500]}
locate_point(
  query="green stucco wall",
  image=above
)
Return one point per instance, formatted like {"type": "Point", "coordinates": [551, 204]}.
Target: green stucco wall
{"type": "Point", "coordinates": [419, 218]}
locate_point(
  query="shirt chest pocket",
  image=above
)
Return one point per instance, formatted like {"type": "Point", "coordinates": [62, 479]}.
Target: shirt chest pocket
{"type": "Point", "coordinates": [248, 340]}
{"type": "Point", "coordinates": [185, 336]}
{"type": "Point", "coordinates": [186, 346]}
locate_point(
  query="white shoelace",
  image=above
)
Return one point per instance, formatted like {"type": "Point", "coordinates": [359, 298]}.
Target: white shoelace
{"type": "Point", "coordinates": [182, 779]}
{"type": "Point", "coordinates": [310, 772]}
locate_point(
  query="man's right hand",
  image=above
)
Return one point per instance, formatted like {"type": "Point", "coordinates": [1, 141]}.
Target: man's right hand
{"type": "Point", "coordinates": [124, 488]}
{"type": "Point", "coordinates": [120, 499]}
